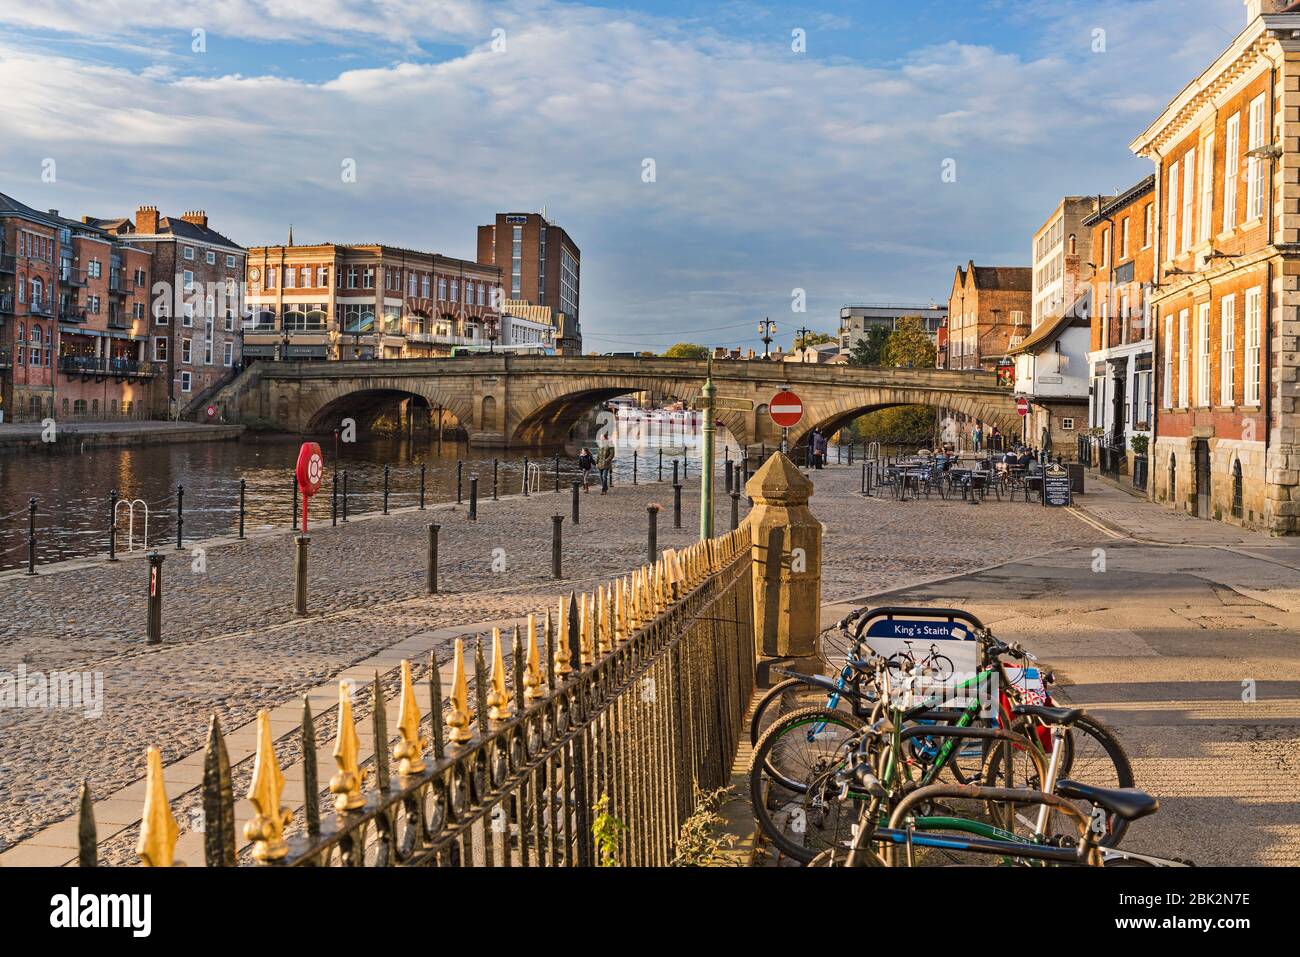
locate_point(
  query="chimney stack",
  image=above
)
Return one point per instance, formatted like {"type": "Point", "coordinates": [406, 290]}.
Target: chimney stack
{"type": "Point", "coordinates": [1256, 8]}
{"type": "Point", "coordinates": [198, 217]}
{"type": "Point", "coordinates": [146, 220]}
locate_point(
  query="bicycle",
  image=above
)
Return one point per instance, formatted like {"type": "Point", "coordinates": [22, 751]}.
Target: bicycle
{"type": "Point", "coordinates": [940, 666]}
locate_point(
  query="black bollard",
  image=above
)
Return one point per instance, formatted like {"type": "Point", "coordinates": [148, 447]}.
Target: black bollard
{"type": "Point", "coordinates": [153, 633]}
{"type": "Point", "coordinates": [557, 472]}
{"type": "Point", "coordinates": [577, 487]}
{"type": "Point", "coordinates": [661, 466]}
{"type": "Point", "coordinates": [243, 489]}
{"type": "Point", "coordinates": [652, 533]}
{"type": "Point", "coordinates": [345, 495]}
{"type": "Point", "coordinates": [300, 575]}
{"type": "Point", "coordinates": [31, 535]}
{"type": "Point", "coordinates": [525, 476]}
{"type": "Point", "coordinates": [423, 468]}
{"type": "Point", "coordinates": [433, 559]}
{"type": "Point", "coordinates": [112, 525]}
{"type": "Point", "coordinates": [634, 466]}
{"type": "Point", "coordinates": [473, 498]}
{"type": "Point", "coordinates": [864, 478]}
{"type": "Point", "coordinates": [180, 513]}
{"type": "Point", "coordinates": [494, 480]}
{"type": "Point", "coordinates": [676, 480]}
{"type": "Point", "coordinates": [556, 569]}
{"type": "Point", "coordinates": [735, 509]}
{"type": "Point", "coordinates": [385, 489]}
{"type": "Point", "coordinates": [334, 497]}
{"type": "Point", "coordinates": [677, 506]}
{"type": "Point", "coordinates": [762, 453]}
{"type": "Point", "coordinates": [686, 464]}
{"type": "Point", "coordinates": [460, 472]}
{"type": "Point", "coordinates": [293, 516]}
{"type": "Point", "coordinates": [730, 477]}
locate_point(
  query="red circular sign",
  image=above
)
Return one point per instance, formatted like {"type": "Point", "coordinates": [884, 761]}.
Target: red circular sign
{"type": "Point", "coordinates": [311, 465]}
{"type": "Point", "coordinates": [786, 409]}
{"type": "Point", "coordinates": [1022, 405]}
{"type": "Point", "coordinates": [212, 410]}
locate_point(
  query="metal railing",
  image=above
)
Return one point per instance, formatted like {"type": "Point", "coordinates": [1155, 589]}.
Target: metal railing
{"type": "Point", "coordinates": [628, 706]}
{"type": "Point", "coordinates": [105, 365]}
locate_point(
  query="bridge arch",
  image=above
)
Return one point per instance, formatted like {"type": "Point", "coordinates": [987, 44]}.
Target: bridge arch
{"type": "Point", "coordinates": [829, 416]}
{"type": "Point", "coordinates": [367, 399]}
{"type": "Point", "coordinates": [558, 405]}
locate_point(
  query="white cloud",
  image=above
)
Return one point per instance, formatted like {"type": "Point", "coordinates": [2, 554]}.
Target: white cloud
{"type": "Point", "coordinates": [774, 170]}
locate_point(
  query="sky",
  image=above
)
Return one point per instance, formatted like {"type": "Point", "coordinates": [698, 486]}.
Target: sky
{"type": "Point", "coordinates": [717, 163]}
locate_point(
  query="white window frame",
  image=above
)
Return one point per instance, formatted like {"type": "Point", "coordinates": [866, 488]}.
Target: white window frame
{"type": "Point", "coordinates": [1123, 238]}
{"type": "Point", "coordinates": [230, 262]}
{"type": "Point", "coordinates": [1171, 206]}
{"type": "Point", "coordinates": [1231, 168]}
{"type": "Point", "coordinates": [189, 252]}
{"type": "Point", "coordinates": [1227, 349]}
{"type": "Point", "coordinates": [1254, 317]}
{"type": "Point", "coordinates": [210, 258]}
{"type": "Point", "coordinates": [187, 351]}
{"type": "Point", "coordinates": [159, 354]}
{"type": "Point", "coordinates": [1255, 167]}
{"type": "Point", "coordinates": [1189, 197]}
{"type": "Point", "coordinates": [1207, 188]}
{"type": "Point", "coordinates": [1203, 354]}
{"type": "Point", "coordinates": [187, 381]}
{"type": "Point", "coordinates": [228, 354]}
{"type": "Point", "coordinates": [1184, 393]}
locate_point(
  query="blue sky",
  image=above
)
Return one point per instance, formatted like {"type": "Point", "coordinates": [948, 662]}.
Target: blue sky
{"type": "Point", "coordinates": [775, 170]}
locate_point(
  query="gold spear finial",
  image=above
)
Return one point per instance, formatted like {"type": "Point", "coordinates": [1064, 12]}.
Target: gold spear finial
{"type": "Point", "coordinates": [563, 656]}
{"type": "Point", "coordinates": [158, 830]}
{"type": "Point", "coordinates": [346, 784]}
{"type": "Point", "coordinates": [266, 830]}
{"type": "Point", "coordinates": [498, 699]}
{"type": "Point", "coordinates": [409, 750]}
{"type": "Point", "coordinates": [585, 656]}
{"type": "Point", "coordinates": [604, 620]}
{"type": "Point", "coordinates": [534, 683]}
{"type": "Point", "coordinates": [458, 717]}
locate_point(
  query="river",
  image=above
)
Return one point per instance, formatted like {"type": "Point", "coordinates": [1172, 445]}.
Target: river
{"type": "Point", "coordinates": [72, 489]}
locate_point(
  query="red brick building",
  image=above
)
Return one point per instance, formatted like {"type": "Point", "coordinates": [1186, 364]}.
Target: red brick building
{"type": "Point", "coordinates": [988, 308]}
{"type": "Point", "coordinates": [1227, 308]}
{"type": "Point", "coordinates": [196, 301]}
{"type": "Point", "coordinates": [540, 265]}
{"type": "Point", "coordinates": [333, 301]}
{"type": "Point", "coordinates": [72, 330]}
{"type": "Point", "coordinates": [1121, 356]}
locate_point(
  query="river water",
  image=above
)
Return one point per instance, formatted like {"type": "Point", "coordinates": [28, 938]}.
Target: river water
{"type": "Point", "coordinates": [72, 489]}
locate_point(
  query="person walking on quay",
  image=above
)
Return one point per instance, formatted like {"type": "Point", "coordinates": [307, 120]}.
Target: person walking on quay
{"type": "Point", "coordinates": [605, 463]}
{"type": "Point", "coordinates": [819, 449]}
{"type": "Point", "coordinates": [978, 437]}
{"type": "Point", "coordinates": [585, 464]}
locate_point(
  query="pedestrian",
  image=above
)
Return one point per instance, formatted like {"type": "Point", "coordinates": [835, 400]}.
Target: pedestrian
{"type": "Point", "coordinates": [995, 439]}
{"type": "Point", "coordinates": [585, 464]}
{"type": "Point", "coordinates": [819, 449]}
{"type": "Point", "coordinates": [978, 436]}
{"type": "Point", "coordinates": [605, 463]}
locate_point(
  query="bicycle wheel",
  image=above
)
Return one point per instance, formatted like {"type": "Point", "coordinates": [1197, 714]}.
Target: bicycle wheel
{"type": "Point", "coordinates": [941, 667]}
{"type": "Point", "coordinates": [899, 663]}
{"type": "Point", "coordinates": [796, 803]}
{"type": "Point", "coordinates": [789, 695]}
{"type": "Point", "coordinates": [1094, 756]}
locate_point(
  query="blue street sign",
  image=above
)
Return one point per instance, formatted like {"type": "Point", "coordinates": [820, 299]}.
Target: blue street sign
{"type": "Point", "coordinates": [913, 629]}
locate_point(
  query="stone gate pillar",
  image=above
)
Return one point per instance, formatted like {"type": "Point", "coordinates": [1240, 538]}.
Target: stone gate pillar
{"type": "Point", "coordinates": [787, 565]}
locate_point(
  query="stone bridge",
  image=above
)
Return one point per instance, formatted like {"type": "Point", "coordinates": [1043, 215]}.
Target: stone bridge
{"type": "Point", "coordinates": [534, 401]}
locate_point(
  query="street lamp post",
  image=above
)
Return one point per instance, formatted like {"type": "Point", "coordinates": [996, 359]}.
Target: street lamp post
{"type": "Point", "coordinates": [765, 329]}
{"type": "Point", "coordinates": [491, 324]}
{"type": "Point", "coordinates": [803, 343]}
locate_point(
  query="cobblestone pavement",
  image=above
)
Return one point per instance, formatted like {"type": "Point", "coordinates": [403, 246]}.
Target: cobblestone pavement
{"type": "Point", "coordinates": [231, 644]}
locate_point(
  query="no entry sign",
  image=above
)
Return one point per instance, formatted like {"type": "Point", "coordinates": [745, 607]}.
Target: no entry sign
{"type": "Point", "coordinates": [786, 409]}
{"type": "Point", "coordinates": [1022, 405]}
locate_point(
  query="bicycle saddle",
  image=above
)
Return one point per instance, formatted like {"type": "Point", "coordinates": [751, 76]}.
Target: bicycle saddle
{"type": "Point", "coordinates": [1049, 715]}
{"type": "Point", "coordinates": [1128, 803]}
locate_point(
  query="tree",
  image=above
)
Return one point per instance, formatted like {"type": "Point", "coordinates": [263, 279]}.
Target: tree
{"type": "Point", "coordinates": [909, 345]}
{"type": "Point", "coordinates": [813, 339]}
{"type": "Point", "coordinates": [901, 425]}
{"type": "Point", "coordinates": [870, 349]}
{"type": "Point", "coordinates": [687, 350]}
